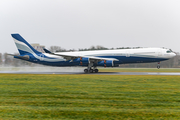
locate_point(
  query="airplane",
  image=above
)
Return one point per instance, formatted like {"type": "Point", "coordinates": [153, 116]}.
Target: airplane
{"type": "Point", "coordinates": [90, 59]}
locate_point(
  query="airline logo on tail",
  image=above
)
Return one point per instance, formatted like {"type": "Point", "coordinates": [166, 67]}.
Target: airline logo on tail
{"type": "Point", "coordinates": [25, 49]}
{"type": "Point", "coordinates": [23, 46]}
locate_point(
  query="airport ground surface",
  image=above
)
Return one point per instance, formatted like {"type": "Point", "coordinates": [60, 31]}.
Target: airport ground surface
{"type": "Point", "coordinates": [79, 70]}
{"type": "Point", "coordinates": [90, 96]}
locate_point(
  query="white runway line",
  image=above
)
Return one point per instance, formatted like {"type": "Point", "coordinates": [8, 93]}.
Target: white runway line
{"type": "Point", "coordinates": [164, 73]}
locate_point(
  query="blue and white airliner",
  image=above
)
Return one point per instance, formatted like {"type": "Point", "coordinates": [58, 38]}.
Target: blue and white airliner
{"type": "Point", "coordinates": [90, 59]}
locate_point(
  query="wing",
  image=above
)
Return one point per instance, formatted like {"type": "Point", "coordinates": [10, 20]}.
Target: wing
{"type": "Point", "coordinates": [72, 57]}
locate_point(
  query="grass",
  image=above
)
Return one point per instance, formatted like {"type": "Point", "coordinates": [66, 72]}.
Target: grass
{"type": "Point", "coordinates": [89, 97]}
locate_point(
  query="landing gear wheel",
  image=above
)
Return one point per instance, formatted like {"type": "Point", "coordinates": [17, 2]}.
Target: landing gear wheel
{"type": "Point", "coordinates": [91, 70]}
{"type": "Point", "coordinates": [158, 67]}
{"type": "Point", "coordinates": [96, 70]}
{"type": "Point", "coordinates": [85, 70]}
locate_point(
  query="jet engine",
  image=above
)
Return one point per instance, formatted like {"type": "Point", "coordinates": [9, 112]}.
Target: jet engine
{"type": "Point", "coordinates": [83, 61]}
{"type": "Point", "coordinates": [107, 63]}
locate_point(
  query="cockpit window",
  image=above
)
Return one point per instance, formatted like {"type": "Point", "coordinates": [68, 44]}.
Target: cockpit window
{"type": "Point", "coordinates": [168, 51]}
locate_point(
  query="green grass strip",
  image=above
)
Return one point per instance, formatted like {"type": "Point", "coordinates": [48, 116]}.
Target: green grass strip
{"type": "Point", "coordinates": [89, 97]}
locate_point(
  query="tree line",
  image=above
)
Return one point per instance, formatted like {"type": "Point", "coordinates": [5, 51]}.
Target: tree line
{"type": "Point", "coordinates": [6, 60]}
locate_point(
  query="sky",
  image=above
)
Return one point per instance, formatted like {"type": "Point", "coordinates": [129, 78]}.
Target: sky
{"type": "Point", "coordinates": [74, 24]}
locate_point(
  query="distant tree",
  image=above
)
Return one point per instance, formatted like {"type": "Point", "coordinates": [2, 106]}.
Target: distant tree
{"type": "Point", "coordinates": [92, 48]}
{"type": "Point", "coordinates": [56, 49]}
{"type": "Point", "coordinates": [98, 47]}
{"type": "Point", "coordinates": [128, 47]}
{"type": "Point", "coordinates": [1, 59]}
{"type": "Point", "coordinates": [7, 59]}
{"type": "Point", "coordinates": [85, 49]}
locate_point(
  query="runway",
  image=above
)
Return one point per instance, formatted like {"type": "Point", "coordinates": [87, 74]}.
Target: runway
{"type": "Point", "coordinates": [100, 73]}
{"type": "Point", "coordinates": [78, 70]}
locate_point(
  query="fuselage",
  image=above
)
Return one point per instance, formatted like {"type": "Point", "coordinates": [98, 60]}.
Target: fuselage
{"type": "Point", "coordinates": [124, 56]}
{"type": "Point", "coordinates": [90, 59]}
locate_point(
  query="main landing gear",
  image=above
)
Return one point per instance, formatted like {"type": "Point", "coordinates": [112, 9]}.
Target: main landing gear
{"type": "Point", "coordinates": [91, 70]}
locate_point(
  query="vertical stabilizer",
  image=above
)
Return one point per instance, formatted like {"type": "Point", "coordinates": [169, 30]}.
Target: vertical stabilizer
{"type": "Point", "coordinates": [23, 46]}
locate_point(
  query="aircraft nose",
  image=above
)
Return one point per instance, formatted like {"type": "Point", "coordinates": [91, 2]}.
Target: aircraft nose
{"type": "Point", "coordinates": [173, 54]}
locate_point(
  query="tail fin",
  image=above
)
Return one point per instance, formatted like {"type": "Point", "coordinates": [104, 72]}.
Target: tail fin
{"type": "Point", "coordinates": [23, 46]}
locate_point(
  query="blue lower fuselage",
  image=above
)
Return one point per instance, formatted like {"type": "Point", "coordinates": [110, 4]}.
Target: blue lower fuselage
{"type": "Point", "coordinates": [85, 62]}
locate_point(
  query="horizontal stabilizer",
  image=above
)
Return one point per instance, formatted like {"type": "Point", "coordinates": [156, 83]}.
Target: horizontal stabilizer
{"type": "Point", "coordinates": [25, 57]}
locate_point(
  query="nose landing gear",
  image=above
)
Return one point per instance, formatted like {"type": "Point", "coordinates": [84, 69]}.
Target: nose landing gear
{"type": "Point", "coordinates": [158, 66]}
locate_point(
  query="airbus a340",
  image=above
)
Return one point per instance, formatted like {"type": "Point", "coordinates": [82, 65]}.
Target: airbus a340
{"type": "Point", "coordinates": [90, 59]}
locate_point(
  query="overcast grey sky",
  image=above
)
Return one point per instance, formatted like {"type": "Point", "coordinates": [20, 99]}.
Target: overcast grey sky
{"type": "Point", "coordinates": [74, 24]}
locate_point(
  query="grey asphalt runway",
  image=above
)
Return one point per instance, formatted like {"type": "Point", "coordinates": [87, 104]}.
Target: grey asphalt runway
{"type": "Point", "coordinates": [100, 73]}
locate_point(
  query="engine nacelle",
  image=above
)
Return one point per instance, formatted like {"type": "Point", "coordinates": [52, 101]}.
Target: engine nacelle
{"type": "Point", "coordinates": [107, 63]}
{"type": "Point", "coordinates": [83, 61]}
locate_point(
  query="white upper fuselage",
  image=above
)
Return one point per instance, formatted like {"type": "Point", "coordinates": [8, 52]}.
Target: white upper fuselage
{"type": "Point", "coordinates": [139, 52]}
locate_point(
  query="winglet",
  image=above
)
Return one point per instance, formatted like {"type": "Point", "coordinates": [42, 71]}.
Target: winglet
{"type": "Point", "coordinates": [47, 51]}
